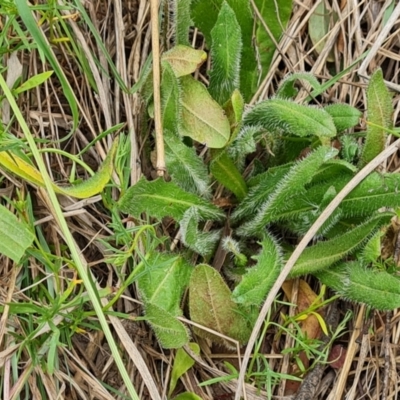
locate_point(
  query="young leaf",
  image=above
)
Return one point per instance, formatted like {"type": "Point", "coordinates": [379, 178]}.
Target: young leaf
{"type": "Point", "coordinates": [88, 188]}
{"type": "Point", "coordinates": [292, 185]}
{"type": "Point", "coordinates": [169, 99]}
{"type": "Point", "coordinates": [182, 363]}
{"type": "Point", "coordinates": [324, 254]}
{"type": "Point", "coordinates": [378, 289]}
{"type": "Point", "coordinates": [343, 115]}
{"type": "Point", "coordinates": [259, 279]}
{"type": "Point", "coordinates": [225, 55]}
{"type": "Point", "coordinates": [202, 118]}
{"type": "Point", "coordinates": [224, 171]}
{"type": "Point", "coordinates": [291, 118]}
{"type": "Point", "coordinates": [205, 16]}
{"type": "Point", "coordinates": [33, 82]}
{"type": "Point", "coordinates": [262, 187]}
{"type": "Point", "coordinates": [160, 199]}
{"type": "Point", "coordinates": [15, 238]}
{"type": "Point", "coordinates": [185, 167]}
{"type": "Point", "coordinates": [201, 242]}
{"type": "Point", "coordinates": [210, 305]}
{"type": "Point", "coordinates": [276, 15]}
{"type": "Point", "coordinates": [182, 21]}
{"type": "Point", "coordinates": [286, 87]}
{"type": "Point", "coordinates": [170, 332]}
{"type": "Point", "coordinates": [380, 109]}
{"type": "Point", "coordinates": [184, 60]}
{"type": "Point", "coordinates": [164, 281]}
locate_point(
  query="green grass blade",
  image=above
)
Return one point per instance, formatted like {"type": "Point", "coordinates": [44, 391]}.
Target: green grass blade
{"type": "Point", "coordinates": [43, 45]}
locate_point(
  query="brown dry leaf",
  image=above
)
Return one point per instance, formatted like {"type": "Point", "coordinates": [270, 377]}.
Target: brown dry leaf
{"type": "Point", "coordinates": [310, 325]}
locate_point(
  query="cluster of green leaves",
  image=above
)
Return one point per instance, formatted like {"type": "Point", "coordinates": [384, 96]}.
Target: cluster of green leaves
{"type": "Point", "coordinates": [301, 176]}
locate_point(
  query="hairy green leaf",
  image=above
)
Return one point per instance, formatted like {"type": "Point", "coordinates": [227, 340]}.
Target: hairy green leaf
{"type": "Point", "coordinates": [292, 185]}
{"type": "Point", "coordinates": [275, 15]}
{"type": "Point", "coordinates": [343, 115]}
{"type": "Point", "coordinates": [185, 167]}
{"type": "Point", "coordinates": [260, 278]}
{"type": "Point", "coordinates": [286, 87]}
{"type": "Point", "coordinates": [333, 277]}
{"type": "Point", "coordinates": [211, 305]}
{"type": "Point", "coordinates": [205, 14]}
{"type": "Point", "coordinates": [169, 99]}
{"type": "Point", "coordinates": [184, 60]}
{"type": "Point", "coordinates": [170, 332]}
{"type": "Point", "coordinates": [182, 21]}
{"type": "Point", "coordinates": [202, 118]}
{"type": "Point", "coordinates": [225, 55]}
{"type": "Point", "coordinates": [160, 199]}
{"type": "Point", "coordinates": [164, 280]}
{"type": "Point", "coordinates": [380, 109]}
{"type": "Point", "coordinates": [378, 289]}
{"type": "Point", "coordinates": [324, 254]}
{"type": "Point", "coordinates": [263, 185]}
{"type": "Point", "coordinates": [182, 363]}
{"type": "Point", "coordinates": [243, 144]}
{"type": "Point", "coordinates": [225, 172]}
{"type": "Point", "coordinates": [201, 242]}
{"type": "Point", "coordinates": [15, 236]}
{"type": "Point", "coordinates": [291, 118]}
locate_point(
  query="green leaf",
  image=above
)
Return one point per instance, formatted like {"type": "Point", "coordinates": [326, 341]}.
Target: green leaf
{"type": "Point", "coordinates": [276, 15]}
{"type": "Point", "coordinates": [333, 277]}
{"type": "Point", "coordinates": [182, 363]}
{"type": "Point", "coordinates": [33, 82]}
{"type": "Point", "coordinates": [324, 254]}
{"type": "Point", "coordinates": [85, 189]}
{"type": "Point", "coordinates": [259, 279]}
{"type": "Point", "coordinates": [258, 194]}
{"type": "Point", "coordinates": [343, 115]}
{"type": "Point", "coordinates": [202, 118]}
{"type": "Point", "coordinates": [181, 20]}
{"type": "Point", "coordinates": [380, 109]}
{"type": "Point", "coordinates": [378, 289]}
{"type": "Point", "coordinates": [187, 396]}
{"type": "Point", "coordinates": [184, 60]}
{"type": "Point", "coordinates": [164, 281]}
{"type": "Point", "coordinates": [201, 242]}
{"type": "Point", "coordinates": [26, 16]}
{"type": "Point", "coordinates": [291, 118]}
{"type": "Point", "coordinates": [286, 87]}
{"type": "Point", "coordinates": [161, 199]}
{"type": "Point", "coordinates": [292, 185]}
{"type": "Point", "coordinates": [243, 144]}
{"type": "Point", "coordinates": [170, 332]}
{"type": "Point", "coordinates": [169, 99]}
{"type": "Point", "coordinates": [15, 238]}
{"type": "Point", "coordinates": [211, 305]}
{"type": "Point", "coordinates": [224, 171]}
{"type": "Point", "coordinates": [225, 55]}
{"type": "Point", "coordinates": [318, 29]}
{"type": "Point", "coordinates": [205, 14]}
{"type": "Point", "coordinates": [186, 168]}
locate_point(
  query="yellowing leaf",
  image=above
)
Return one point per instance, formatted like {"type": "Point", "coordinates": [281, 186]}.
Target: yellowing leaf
{"type": "Point", "coordinates": [202, 118]}
{"type": "Point", "coordinates": [83, 190]}
{"type": "Point", "coordinates": [184, 60]}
